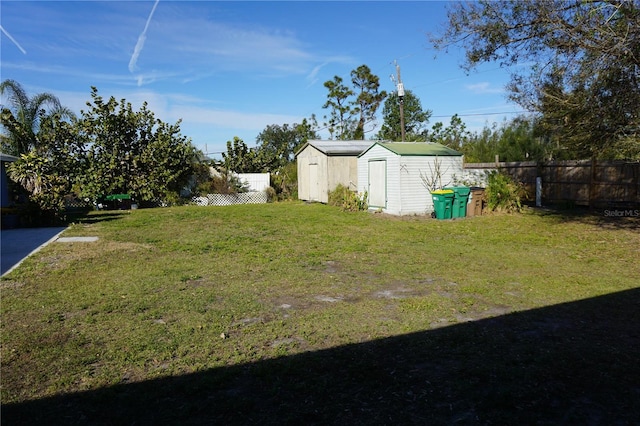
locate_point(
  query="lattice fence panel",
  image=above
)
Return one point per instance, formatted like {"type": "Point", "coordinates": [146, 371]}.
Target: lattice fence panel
{"type": "Point", "coordinates": [231, 199]}
{"type": "Point", "coordinates": [77, 204]}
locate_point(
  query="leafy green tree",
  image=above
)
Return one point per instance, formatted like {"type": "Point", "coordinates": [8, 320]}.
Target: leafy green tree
{"type": "Point", "coordinates": [276, 149]}
{"type": "Point", "coordinates": [368, 99]}
{"type": "Point", "coordinates": [274, 154]}
{"type": "Point", "coordinates": [585, 81]}
{"type": "Point", "coordinates": [415, 118]}
{"type": "Point", "coordinates": [48, 173]}
{"type": "Point", "coordinates": [437, 132]}
{"type": "Point", "coordinates": [601, 120]}
{"type": "Point", "coordinates": [518, 139]}
{"type": "Point", "coordinates": [44, 186]}
{"type": "Point", "coordinates": [455, 135]}
{"type": "Point", "coordinates": [277, 144]}
{"type": "Point", "coordinates": [482, 146]}
{"type": "Point", "coordinates": [518, 142]}
{"type": "Point", "coordinates": [21, 119]}
{"type": "Point", "coordinates": [133, 152]}
{"type": "Point", "coordinates": [351, 110]}
{"type": "Point", "coordinates": [305, 131]}
{"type": "Point", "coordinates": [166, 164]}
{"type": "Point", "coordinates": [341, 122]}
{"type": "Point", "coordinates": [239, 158]}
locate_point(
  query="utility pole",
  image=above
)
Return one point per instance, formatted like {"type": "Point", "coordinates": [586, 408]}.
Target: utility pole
{"type": "Point", "coordinates": [401, 99]}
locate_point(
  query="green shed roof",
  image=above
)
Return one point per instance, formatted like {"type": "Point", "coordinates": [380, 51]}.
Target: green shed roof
{"type": "Point", "coordinates": [419, 148]}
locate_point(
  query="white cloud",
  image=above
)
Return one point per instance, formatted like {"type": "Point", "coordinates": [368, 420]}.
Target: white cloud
{"type": "Point", "coordinates": [184, 40]}
{"type": "Point", "coordinates": [192, 110]}
{"type": "Point", "coordinates": [230, 119]}
{"type": "Point", "coordinates": [133, 62]}
{"type": "Point", "coordinates": [13, 40]}
{"type": "Point", "coordinates": [312, 77]}
{"type": "Point", "coordinates": [483, 88]}
{"type": "Point", "coordinates": [210, 47]}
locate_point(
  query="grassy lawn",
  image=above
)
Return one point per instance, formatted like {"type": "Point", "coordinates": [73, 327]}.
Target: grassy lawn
{"type": "Point", "coordinates": [290, 312]}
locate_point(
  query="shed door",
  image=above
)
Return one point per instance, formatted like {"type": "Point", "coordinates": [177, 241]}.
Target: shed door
{"type": "Point", "coordinates": [314, 192]}
{"type": "Point", "coordinates": [378, 183]}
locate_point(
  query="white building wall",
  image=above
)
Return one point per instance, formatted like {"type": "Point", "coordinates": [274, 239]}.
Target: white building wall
{"type": "Point", "coordinates": [392, 179]}
{"type": "Point", "coordinates": [256, 181]}
{"type": "Point", "coordinates": [475, 177]}
{"type": "Point", "coordinates": [363, 174]}
{"type": "Point", "coordinates": [394, 193]}
{"type": "Point", "coordinates": [416, 197]}
{"type": "Point", "coordinates": [406, 192]}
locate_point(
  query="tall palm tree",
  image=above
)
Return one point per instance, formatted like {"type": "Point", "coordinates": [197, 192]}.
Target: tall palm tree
{"type": "Point", "coordinates": [21, 120]}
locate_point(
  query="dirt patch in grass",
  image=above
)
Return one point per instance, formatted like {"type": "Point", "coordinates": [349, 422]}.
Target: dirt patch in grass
{"type": "Point", "coordinates": [60, 256]}
{"type": "Point", "coordinates": [9, 284]}
{"type": "Point", "coordinates": [286, 304]}
{"type": "Point", "coordinates": [197, 282]}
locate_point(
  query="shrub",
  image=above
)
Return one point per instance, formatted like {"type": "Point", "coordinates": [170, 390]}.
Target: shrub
{"type": "Point", "coordinates": [271, 195]}
{"type": "Point", "coordinates": [224, 183]}
{"type": "Point", "coordinates": [503, 193]}
{"type": "Point", "coordinates": [285, 181]}
{"type": "Point", "coordinates": [44, 188]}
{"type": "Point", "coordinates": [348, 200]}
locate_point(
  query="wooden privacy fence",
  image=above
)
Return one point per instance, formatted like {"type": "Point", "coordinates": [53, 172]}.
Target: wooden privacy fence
{"type": "Point", "coordinates": [581, 182]}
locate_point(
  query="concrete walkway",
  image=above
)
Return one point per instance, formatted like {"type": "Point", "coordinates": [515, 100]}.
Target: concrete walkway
{"type": "Point", "coordinates": [17, 244]}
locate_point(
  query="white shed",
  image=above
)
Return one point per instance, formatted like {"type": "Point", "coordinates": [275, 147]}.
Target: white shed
{"type": "Point", "coordinates": [324, 164]}
{"type": "Point", "coordinates": [398, 176]}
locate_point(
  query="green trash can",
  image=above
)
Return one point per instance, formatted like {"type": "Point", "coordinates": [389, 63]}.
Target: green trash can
{"type": "Point", "coordinates": [460, 200]}
{"type": "Point", "coordinates": [442, 203]}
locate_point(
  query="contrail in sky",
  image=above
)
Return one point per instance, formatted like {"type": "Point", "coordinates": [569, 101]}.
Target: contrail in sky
{"type": "Point", "coordinates": [141, 40]}
{"type": "Point", "coordinates": [13, 40]}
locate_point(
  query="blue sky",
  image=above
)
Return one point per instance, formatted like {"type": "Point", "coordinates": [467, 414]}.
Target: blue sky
{"type": "Point", "coordinates": [231, 68]}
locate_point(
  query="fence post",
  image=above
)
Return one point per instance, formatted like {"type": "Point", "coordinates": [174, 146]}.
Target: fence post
{"type": "Point", "coordinates": [592, 180]}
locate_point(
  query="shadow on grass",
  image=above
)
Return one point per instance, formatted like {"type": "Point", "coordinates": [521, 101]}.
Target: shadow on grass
{"type": "Point", "coordinates": [573, 363]}
{"type": "Point", "coordinates": [610, 218]}
{"type": "Point", "coordinates": [94, 217]}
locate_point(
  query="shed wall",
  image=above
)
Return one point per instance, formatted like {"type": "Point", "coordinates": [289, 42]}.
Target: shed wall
{"type": "Point", "coordinates": [343, 170]}
{"type": "Point", "coordinates": [363, 174]}
{"type": "Point", "coordinates": [394, 195]}
{"type": "Point", "coordinates": [393, 205]}
{"type": "Point", "coordinates": [312, 175]}
{"type": "Point", "coordinates": [416, 198]}
{"type": "Point", "coordinates": [319, 173]}
{"type": "Point", "coordinates": [406, 193]}
{"type": "Point", "coordinates": [414, 195]}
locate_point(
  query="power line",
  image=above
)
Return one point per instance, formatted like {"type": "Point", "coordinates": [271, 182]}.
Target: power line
{"type": "Point", "coordinates": [481, 113]}
{"type": "Point", "coordinates": [393, 63]}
